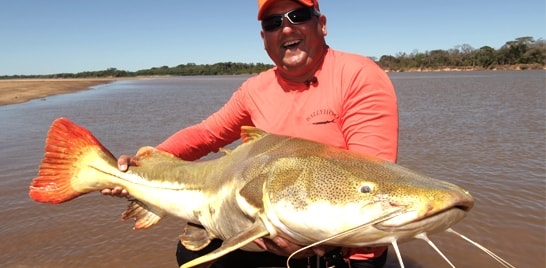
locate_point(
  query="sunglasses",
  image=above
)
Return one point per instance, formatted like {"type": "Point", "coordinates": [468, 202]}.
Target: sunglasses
{"type": "Point", "coordinates": [296, 16]}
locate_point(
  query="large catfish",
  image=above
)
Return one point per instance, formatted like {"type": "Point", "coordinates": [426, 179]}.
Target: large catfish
{"type": "Point", "coordinates": [269, 186]}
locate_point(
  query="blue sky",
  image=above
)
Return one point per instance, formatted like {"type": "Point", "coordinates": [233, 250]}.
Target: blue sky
{"type": "Point", "coordinates": [47, 37]}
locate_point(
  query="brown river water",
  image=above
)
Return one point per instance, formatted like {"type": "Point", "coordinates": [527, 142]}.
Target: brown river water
{"type": "Point", "coordinates": [484, 131]}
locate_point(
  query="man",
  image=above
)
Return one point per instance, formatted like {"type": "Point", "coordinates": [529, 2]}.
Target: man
{"type": "Point", "coordinates": [313, 92]}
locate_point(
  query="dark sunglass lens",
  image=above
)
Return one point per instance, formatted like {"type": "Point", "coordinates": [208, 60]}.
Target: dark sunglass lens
{"type": "Point", "coordinates": [297, 16]}
{"type": "Point", "coordinates": [300, 15]}
{"type": "Point", "coordinates": [271, 23]}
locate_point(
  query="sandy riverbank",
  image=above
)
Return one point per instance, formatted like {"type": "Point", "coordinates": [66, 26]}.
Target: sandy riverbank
{"type": "Point", "coordinates": [21, 90]}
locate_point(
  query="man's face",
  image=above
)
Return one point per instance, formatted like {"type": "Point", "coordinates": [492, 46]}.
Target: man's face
{"type": "Point", "coordinates": [295, 49]}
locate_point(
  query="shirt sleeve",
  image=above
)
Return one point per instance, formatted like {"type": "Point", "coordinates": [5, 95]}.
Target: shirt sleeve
{"type": "Point", "coordinates": [218, 130]}
{"type": "Point", "coordinates": [370, 113]}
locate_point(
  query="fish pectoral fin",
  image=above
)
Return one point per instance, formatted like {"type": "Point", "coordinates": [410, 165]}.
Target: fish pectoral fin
{"type": "Point", "coordinates": [144, 215]}
{"type": "Point", "coordinates": [255, 231]}
{"type": "Point", "coordinates": [195, 237]}
{"type": "Point", "coordinates": [249, 133]}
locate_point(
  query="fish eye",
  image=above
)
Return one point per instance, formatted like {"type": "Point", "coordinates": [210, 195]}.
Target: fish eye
{"type": "Point", "coordinates": [365, 189]}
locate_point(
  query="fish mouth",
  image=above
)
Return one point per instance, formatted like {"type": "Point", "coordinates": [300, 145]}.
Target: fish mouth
{"type": "Point", "coordinates": [433, 223]}
{"type": "Point", "coordinates": [432, 216]}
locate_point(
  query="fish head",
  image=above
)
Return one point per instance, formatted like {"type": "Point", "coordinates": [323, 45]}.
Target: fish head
{"type": "Point", "coordinates": [319, 192]}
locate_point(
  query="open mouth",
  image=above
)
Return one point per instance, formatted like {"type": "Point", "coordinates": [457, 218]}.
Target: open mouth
{"type": "Point", "coordinates": [291, 44]}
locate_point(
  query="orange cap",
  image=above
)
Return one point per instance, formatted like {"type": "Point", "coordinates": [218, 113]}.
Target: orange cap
{"type": "Point", "coordinates": [264, 4]}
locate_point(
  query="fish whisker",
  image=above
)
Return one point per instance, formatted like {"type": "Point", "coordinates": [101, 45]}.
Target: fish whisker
{"type": "Point", "coordinates": [424, 236]}
{"type": "Point", "coordinates": [484, 249]}
{"type": "Point", "coordinates": [398, 255]}
{"type": "Point", "coordinates": [348, 231]}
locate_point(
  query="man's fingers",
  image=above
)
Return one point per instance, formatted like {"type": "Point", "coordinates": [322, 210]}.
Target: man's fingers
{"type": "Point", "coordinates": [116, 191]}
{"type": "Point", "coordinates": [123, 162]}
{"type": "Point", "coordinates": [106, 191]}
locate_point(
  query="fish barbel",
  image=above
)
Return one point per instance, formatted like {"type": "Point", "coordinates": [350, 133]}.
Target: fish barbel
{"type": "Point", "coordinates": [306, 192]}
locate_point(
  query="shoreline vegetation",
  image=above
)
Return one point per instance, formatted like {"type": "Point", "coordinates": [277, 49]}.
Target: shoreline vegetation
{"type": "Point", "coordinates": [523, 53]}
{"type": "Point", "coordinates": [515, 67]}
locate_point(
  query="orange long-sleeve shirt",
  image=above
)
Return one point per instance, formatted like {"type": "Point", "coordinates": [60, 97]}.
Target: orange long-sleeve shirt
{"type": "Point", "coordinates": [351, 105]}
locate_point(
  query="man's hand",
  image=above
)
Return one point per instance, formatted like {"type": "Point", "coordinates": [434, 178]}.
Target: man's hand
{"type": "Point", "coordinates": [124, 161]}
{"type": "Point", "coordinates": [116, 191]}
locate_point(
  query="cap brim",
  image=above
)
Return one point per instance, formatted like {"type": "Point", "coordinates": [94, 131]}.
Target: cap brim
{"type": "Point", "coordinates": [266, 5]}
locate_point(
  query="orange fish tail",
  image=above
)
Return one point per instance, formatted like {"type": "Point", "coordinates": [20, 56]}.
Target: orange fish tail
{"type": "Point", "coordinates": [67, 170]}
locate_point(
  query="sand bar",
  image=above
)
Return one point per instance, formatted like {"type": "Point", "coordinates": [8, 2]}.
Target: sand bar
{"type": "Point", "coordinates": [21, 90]}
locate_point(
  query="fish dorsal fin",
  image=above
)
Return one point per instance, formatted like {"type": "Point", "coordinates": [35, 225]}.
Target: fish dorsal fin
{"type": "Point", "coordinates": [146, 152]}
{"type": "Point", "coordinates": [257, 230]}
{"type": "Point", "coordinates": [249, 133]}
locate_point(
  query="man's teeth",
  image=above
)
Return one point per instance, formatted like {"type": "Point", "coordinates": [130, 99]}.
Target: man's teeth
{"type": "Point", "coordinates": [291, 43]}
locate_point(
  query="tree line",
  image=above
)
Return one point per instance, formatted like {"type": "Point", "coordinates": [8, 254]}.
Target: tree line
{"type": "Point", "coordinates": [221, 68]}
{"type": "Point", "coordinates": [521, 53]}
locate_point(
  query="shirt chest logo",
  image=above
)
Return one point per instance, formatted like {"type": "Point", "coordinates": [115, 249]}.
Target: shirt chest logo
{"type": "Point", "coordinates": [321, 117]}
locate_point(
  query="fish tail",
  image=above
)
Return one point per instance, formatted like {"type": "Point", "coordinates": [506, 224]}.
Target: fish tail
{"type": "Point", "coordinates": [74, 164]}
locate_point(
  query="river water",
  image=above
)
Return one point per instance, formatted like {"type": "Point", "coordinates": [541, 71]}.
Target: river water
{"type": "Point", "coordinates": [484, 131]}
